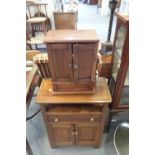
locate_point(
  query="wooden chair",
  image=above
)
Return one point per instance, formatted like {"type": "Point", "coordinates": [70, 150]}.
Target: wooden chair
{"type": "Point", "coordinates": [32, 80]}
{"type": "Point", "coordinates": [29, 57]}
{"type": "Point", "coordinates": [65, 20]}
{"type": "Point", "coordinates": [41, 60]}
{"type": "Point", "coordinates": [35, 36]}
{"type": "Point", "coordinates": [37, 24]}
{"type": "Point", "coordinates": [36, 12]}
{"type": "Point", "coordinates": [32, 75]}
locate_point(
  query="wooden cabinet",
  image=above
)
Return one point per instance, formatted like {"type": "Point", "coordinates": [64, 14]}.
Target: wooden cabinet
{"type": "Point", "coordinates": [63, 134]}
{"type": "Point", "coordinates": [72, 58]}
{"type": "Point", "coordinates": [119, 81]}
{"type": "Point", "coordinates": [74, 119]}
{"type": "Point", "coordinates": [87, 134]}
{"type": "Point", "coordinates": [75, 134]}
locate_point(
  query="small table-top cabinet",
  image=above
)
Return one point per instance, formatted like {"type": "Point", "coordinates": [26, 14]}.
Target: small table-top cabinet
{"type": "Point", "coordinates": [74, 119]}
{"type": "Point", "coordinates": [72, 58]}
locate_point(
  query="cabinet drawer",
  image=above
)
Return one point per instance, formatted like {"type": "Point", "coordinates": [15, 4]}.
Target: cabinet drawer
{"type": "Point", "coordinates": [75, 118]}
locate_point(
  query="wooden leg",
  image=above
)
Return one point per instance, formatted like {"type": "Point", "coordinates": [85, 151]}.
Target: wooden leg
{"type": "Point", "coordinates": [110, 118]}
{"type": "Point", "coordinates": [109, 122]}
{"type": "Point", "coordinates": [28, 148]}
{"type": "Point", "coordinates": [44, 27]}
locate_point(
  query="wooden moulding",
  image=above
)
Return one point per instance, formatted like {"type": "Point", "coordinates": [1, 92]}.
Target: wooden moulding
{"type": "Point", "coordinates": [101, 95]}
{"type": "Point", "coordinates": [73, 88]}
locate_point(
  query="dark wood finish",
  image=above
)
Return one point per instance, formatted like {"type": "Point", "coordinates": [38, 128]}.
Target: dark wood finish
{"type": "Point", "coordinates": [92, 2]}
{"type": "Point", "coordinates": [32, 79]}
{"type": "Point", "coordinates": [65, 20]}
{"type": "Point", "coordinates": [104, 66]}
{"type": "Point", "coordinates": [101, 94]}
{"type": "Point", "coordinates": [60, 60]}
{"type": "Point", "coordinates": [74, 119]}
{"type": "Point", "coordinates": [41, 60]}
{"type": "Point", "coordinates": [72, 60]}
{"type": "Point", "coordinates": [117, 84]}
{"type": "Point", "coordinates": [71, 36]}
{"type": "Point", "coordinates": [63, 134]}
{"type": "Point", "coordinates": [87, 133]}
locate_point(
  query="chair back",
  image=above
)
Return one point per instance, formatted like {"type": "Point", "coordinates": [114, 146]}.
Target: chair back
{"type": "Point", "coordinates": [41, 60]}
{"type": "Point", "coordinates": [38, 9]}
{"type": "Point", "coordinates": [65, 20]}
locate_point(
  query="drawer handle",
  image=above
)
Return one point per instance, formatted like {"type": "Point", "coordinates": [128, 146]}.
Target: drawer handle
{"type": "Point", "coordinates": [55, 119]}
{"type": "Point", "coordinates": [92, 119]}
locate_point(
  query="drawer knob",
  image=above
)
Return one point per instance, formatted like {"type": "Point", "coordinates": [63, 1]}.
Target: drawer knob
{"type": "Point", "coordinates": [70, 65]}
{"type": "Point", "coordinates": [92, 119]}
{"type": "Point", "coordinates": [55, 119]}
{"type": "Point", "coordinates": [76, 133]}
{"type": "Point", "coordinates": [75, 66]}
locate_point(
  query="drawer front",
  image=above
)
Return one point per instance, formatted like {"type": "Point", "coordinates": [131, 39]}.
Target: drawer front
{"type": "Point", "coordinates": [75, 118]}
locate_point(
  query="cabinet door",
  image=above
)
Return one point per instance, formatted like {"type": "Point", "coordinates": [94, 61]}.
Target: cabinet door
{"type": "Point", "coordinates": [120, 72]}
{"type": "Point", "coordinates": [87, 134]}
{"type": "Point", "coordinates": [62, 134]}
{"type": "Point", "coordinates": [60, 62]}
{"type": "Point", "coordinates": [84, 62]}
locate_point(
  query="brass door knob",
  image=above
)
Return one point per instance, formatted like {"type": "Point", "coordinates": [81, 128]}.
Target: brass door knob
{"type": "Point", "coordinates": [75, 66]}
{"type": "Point", "coordinates": [55, 119]}
{"type": "Point", "coordinates": [92, 119]}
{"type": "Point", "coordinates": [76, 133]}
{"type": "Point", "coordinates": [70, 65]}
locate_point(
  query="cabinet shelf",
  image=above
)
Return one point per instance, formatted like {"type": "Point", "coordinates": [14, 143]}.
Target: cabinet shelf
{"type": "Point", "coordinates": [67, 109]}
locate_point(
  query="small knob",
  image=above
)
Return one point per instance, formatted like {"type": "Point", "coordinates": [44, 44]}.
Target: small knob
{"type": "Point", "coordinates": [72, 133]}
{"type": "Point", "coordinates": [55, 119]}
{"type": "Point", "coordinates": [70, 65]}
{"type": "Point", "coordinates": [92, 119]}
{"type": "Point", "coordinates": [76, 133]}
{"type": "Point", "coordinates": [75, 66]}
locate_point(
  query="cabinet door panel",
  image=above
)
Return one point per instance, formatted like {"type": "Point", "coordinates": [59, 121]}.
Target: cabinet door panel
{"type": "Point", "coordinates": [60, 61]}
{"type": "Point", "coordinates": [84, 56]}
{"type": "Point", "coordinates": [87, 134]}
{"type": "Point", "coordinates": [62, 134]}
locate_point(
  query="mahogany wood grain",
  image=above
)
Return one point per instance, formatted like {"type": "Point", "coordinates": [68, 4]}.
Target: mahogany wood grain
{"type": "Point", "coordinates": [63, 134]}
{"type": "Point", "coordinates": [72, 58]}
{"type": "Point", "coordinates": [101, 95]}
{"type": "Point", "coordinates": [59, 56]}
{"type": "Point", "coordinates": [65, 20]}
{"type": "Point", "coordinates": [117, 85]}
{"type": "Point", "coordinates": [70, 36]}
{"type": "Point", "coordinates": [74, 119]}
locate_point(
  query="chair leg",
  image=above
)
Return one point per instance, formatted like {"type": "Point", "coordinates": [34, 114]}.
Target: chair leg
{"type": "Point", "coordinates": [44, 27]}
{"type": "Point", "coordinates": [28, 148]}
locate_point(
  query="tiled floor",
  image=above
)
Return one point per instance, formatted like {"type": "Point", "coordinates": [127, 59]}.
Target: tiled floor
{"type": "Point", "coordinates": [88, 18]}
